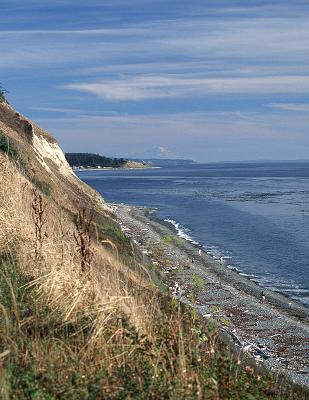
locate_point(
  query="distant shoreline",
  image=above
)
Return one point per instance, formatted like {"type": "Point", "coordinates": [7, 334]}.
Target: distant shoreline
{"type": "Point", "coordinates": [111, 168]}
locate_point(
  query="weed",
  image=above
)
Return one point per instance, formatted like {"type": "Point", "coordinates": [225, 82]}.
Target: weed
{"type": "Point", "coordinates": [8, 147]}
{"type": "Point", "coordinates": [199, 281]}
{"type": "Point", "coordinates": [110, 232]}
{"type": "Point", "coordinates": [113, 232]}
{"type": "Point", "coordinates": [3, 93]}
{"type": "Point", "coordinates": [83, 238]}
{"type": "Point", "coordinates": [39, 220]}
{"type": "Point", "coordinates": [171, 239]}
{"type": "Point", "coordinates": [215, 309]}
{"type": "Point", "coordinates": [41, 186]}
{"type": "Point", "coordinates": [224, 321]}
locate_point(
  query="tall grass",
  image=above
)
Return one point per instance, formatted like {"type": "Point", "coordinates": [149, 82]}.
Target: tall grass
{"type": "Point", "coordinates": [74, 327]}
{"type": "Point", "coordinates": [3, 93]}
{"type": "Point", "coordinates": [8, 147]}
{"type": "Point", "coordinates": [44, 356]}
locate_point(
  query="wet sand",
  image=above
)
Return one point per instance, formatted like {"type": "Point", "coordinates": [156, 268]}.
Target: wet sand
{"type": "Point", "coordinates": [273, 333]}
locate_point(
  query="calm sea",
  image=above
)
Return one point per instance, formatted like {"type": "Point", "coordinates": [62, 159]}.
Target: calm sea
{"type": "Point", "coordinates": [254, 214]}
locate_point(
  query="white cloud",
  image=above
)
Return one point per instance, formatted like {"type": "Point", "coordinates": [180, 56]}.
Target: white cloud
{"type": "Point", "coordinates": [270, 39]}
{"type": "Point", "coordinates": [156, 87]}
{"type": "Point", "coordinates": [240, 41]}
{"type": "Point", "coordinates": [299, 107]}
{"type": "Point", "coordinates": [210, 68]}
{"type": "Point", "coordinates": [56, 110]}
{"type": "Point", "coordinates": [72, 32]}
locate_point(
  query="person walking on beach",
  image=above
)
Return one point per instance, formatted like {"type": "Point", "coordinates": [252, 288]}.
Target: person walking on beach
{"type": "Point", "coordinates": [176, 290]}
{"type": "Point", "coordinates": [192, 259]}
{"type": "Point", "coordinates": [200, 252]}
{"type": "Point", "coordinates": [262, 300]}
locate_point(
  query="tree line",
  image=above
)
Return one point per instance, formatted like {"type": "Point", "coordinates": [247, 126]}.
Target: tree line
{"type": "Point", "coordinates": [93, 160]}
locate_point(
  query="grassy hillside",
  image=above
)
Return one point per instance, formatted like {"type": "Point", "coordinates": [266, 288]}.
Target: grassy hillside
{"type": "Point", "coordinates": [80, 317]}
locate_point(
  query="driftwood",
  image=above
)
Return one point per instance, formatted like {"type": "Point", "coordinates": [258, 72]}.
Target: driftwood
{"type": "Point", "coordinates": [247, 347]}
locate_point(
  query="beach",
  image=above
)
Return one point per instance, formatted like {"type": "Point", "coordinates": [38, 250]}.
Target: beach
{"type": "Point", "coordinates": [267, 328]}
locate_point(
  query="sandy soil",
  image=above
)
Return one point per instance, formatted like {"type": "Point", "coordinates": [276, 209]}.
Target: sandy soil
{"type": "Point", "coordinates": [274, 333]}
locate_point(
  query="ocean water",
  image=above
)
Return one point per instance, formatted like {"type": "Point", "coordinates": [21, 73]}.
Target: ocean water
{"type": "Point", "coordinates": [255, 214]}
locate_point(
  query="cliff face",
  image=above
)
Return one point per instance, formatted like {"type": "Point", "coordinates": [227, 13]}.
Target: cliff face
{"type": "Point", "coordinates": [44, 162]}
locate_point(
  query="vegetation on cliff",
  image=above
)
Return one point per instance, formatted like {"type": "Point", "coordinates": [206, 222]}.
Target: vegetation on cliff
{"type": "Point", "coordinates": [3, 93]}
{"type": "Point", "coordinates": [7, 146]}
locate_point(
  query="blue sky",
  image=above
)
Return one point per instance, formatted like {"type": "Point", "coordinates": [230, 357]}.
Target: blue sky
{"type": "Point", "coordinates": [209, 80]}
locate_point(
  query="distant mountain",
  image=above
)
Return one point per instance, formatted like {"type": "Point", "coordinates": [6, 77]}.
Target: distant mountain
{"type": "Point", "coordinates": [162, 162]}
{"type": "Point", "coordinates": [156, 152]}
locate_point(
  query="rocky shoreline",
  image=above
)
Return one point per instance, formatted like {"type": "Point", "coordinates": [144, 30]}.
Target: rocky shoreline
{"type": "Point", "coordinates": [273, 333]}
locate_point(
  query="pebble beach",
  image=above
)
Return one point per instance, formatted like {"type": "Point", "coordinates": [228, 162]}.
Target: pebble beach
{"type": "Point", "coordinates": [267, 328]}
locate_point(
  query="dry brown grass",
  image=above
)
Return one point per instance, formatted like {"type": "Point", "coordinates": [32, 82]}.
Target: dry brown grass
{"type": "Point", "coordinates": [50, 248]}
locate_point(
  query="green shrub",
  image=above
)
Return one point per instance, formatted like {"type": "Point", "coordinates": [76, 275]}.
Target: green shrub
{"type": "Point", "coordinates": [2, 95]}
{"type": "Point", "coordinates": [199, 281]}
{"type": "Point", "coordinates": [111, 231]}
{"type": "Point", "coordinates": [172, 239]}
{"type": "Point", "coordinates": [41, 186]}
{"type": "Point", "coordinates": [7, 146]}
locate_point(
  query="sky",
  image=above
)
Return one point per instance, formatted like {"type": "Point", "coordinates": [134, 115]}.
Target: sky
{"type": "Point", "coordinates": [209, 80]}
